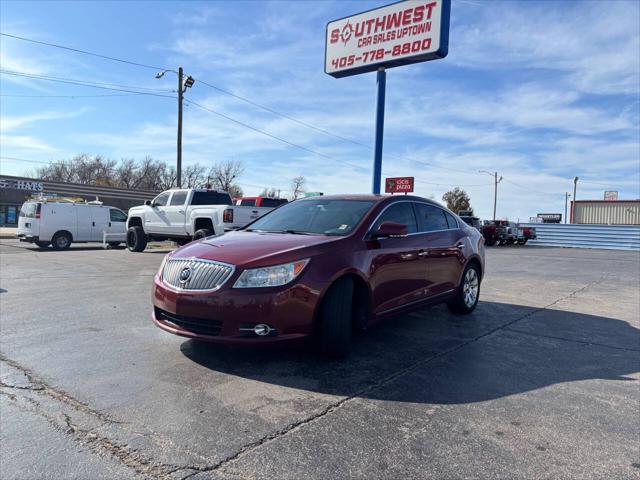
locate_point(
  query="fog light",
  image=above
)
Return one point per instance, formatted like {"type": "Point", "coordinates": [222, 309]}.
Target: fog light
{"type": "Point", "coordinates": [262, 329]}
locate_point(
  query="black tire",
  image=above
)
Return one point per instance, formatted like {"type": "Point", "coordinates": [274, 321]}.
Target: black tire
{"type": "Point", "coordinates": [42, 244]}
{"type": "Point", "coordinates": [202, 233]}
{"type": "Point", "coordinates": [523, 241]}
{"type": "Point", "coordinates": [462, 303]}
{"type": "Point", "coordinates": [61, 241]}
{"type": "Point", "coordinates": [136, 239]}
{"type": "Point", "coordinates": [489, 242]}
{"type": "Point", "coordinates": [114, 244]}
{"type": "Point", "coordinates": [334, 329]}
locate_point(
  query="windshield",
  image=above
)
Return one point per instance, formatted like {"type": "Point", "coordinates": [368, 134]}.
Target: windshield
{"type": "Point", "coordinates": [317, 216]}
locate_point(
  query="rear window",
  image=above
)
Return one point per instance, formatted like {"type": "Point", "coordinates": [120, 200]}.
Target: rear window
{"type": "Point", "coordinates": [250, 202]}
{"type": "Point", "coordinates": [210, 198]}
{"type": "Point", "coordinates": [272, 202]}
{"type": "Point", "coordinates": [28, 210]}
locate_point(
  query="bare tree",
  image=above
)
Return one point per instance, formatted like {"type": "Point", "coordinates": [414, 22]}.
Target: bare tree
{"type": "Point", "coordinates": [193, 176]}
{"type": "Point", "coordinates": [270, 192]}
{"type": "Point", "coordinates": [297, 187]}
{"type": "Point", "coordinates": [224, 174]}
{"type": "Point", "coordinates": [235, 191]}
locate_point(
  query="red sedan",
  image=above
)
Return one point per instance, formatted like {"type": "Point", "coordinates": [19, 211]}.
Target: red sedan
{"type": "Point", "coordinates": [320, 267]}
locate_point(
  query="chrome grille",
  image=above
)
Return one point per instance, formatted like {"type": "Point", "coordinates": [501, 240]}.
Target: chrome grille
{"type": "Point", "coordinates": [202, 274]}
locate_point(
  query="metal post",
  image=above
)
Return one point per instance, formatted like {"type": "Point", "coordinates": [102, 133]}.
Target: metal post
{"type": "Point", "coordinates": [179, 146]}
{"type": "Point", "coordinates": [573, 202]}
{"type": "Point", "coordinates": [566, 202]}
{"type": "Point", "coordinates": [495, 194]}
{"type": "Point", "coordinates": [381, 82]}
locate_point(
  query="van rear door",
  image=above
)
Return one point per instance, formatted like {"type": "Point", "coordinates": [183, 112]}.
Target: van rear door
{"type": "Point", "coordinates": [29, 219]}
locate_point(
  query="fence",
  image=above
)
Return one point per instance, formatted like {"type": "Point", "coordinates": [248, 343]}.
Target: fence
{"type": "Point", "coordinates": [616, 237]}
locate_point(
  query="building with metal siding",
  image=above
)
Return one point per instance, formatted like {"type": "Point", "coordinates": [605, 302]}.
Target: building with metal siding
{"type": "Point", "coordinates": [15, 190]}
{"type": "Point", "coordinates": [606, 212]}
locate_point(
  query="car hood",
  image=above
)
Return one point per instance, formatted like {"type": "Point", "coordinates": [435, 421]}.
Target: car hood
{"type": "Point", "coordinates": [256, 249]}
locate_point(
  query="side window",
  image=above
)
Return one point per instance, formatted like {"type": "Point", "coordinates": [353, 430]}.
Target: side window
{"type": "Point", "coordinates": [161, 200]}
{"type": "Point", "coordinates": [117, 215]}
{"type": "Point", "coordinates": [178, 198]}
{"type": "Point", "coordinates": [451, 220]}
{"type": "Point", "coordinates": [431, 218]}
{"type": "Point", "coordinates": [401, 212]}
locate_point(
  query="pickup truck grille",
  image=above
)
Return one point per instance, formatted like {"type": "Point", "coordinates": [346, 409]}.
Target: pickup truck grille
{"type": "Point", "coordinates": [194, 274]}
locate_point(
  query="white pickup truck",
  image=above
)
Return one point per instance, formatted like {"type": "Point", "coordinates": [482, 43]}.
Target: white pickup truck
{"type": "Point", "coordinates": [183, 215]}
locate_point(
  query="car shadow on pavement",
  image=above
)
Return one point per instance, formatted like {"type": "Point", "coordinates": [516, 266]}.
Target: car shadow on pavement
{"type": "Point", "coordinates": [432, 356]}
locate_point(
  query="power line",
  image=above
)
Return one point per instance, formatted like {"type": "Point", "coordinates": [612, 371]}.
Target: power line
{"type": "Point", "coordinates": [83, 84]}
{"type": "Point", "coordinates": [87, 82]}
{"type": "Point", "coordinates": [14, 159]}
{"type": "Point", "coordinates": [255, 129]}
{"type": "Point", "coordinates": [85, 52]}
{"type": "Point", "coordinates": [239, 97]}
{"type": "Point", "coordinates": [71, 96]}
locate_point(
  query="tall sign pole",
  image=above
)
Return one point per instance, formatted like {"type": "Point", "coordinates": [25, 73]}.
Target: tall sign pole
{"type": "Point", "coordinates": [377, 151]}
{"type": "Point", "coordinates": [399, 34]}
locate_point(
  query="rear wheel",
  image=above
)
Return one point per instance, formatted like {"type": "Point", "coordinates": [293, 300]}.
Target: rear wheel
{"type": "Point", "coordinates": [468, 292]}
{"type": "Point", "coordinates": [334, 330]}
{"type": "Point", "coordinates": [490, 242]}
{"type": "Point", "coordinates": [522, 241]}
{"type": "Point", "coordinates": [61, 241]}
{"type": "Point", "coordinates": [202, 233]}
{"type": "Point", "coordinates": [136, 239]}
{"type": "Point", "coordinates": [42, 244]}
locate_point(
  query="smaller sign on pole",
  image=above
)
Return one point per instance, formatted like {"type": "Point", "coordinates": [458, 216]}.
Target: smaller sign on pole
{"type": "Point", "coordinates": [550, 217]}
{"type": "Point", "coordinates": [398, 185]}
{"type": "Point", "coordinates": [611, 195]}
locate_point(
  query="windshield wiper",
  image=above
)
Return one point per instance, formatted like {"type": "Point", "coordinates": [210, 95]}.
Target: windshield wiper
{"type": "Point", "coordinates": [291, 231]}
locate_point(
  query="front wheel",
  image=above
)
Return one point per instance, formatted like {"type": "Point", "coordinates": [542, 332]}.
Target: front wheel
{"type": "Point", "coordinates": [136, 239]}
{"type": "Point", "coordinates": [202, 233]}
{"type": "Point", "coordinates": [490, 242]}
{"type": "Point", "coordinates": [334, 330]}
{"type": "Point", "coordinates": [468, 292]}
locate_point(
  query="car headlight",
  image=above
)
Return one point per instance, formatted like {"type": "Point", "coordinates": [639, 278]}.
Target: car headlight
{"type": "Point", "coordinates": [164, 261]}
{"type": "Point", "coordinates": [271, 276]}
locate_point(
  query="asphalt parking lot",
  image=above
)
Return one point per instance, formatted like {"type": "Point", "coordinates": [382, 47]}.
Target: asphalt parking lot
{"type": "Point", "coordinates": [542, 381]}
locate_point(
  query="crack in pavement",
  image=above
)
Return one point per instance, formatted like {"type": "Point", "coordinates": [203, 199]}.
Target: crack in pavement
{"type": "Point", "coordinates": [145, 465]}
{"type": "Point", "coordinates": [564, 339]}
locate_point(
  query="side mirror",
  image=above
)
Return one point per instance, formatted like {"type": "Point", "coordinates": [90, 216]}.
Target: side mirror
{"type": "Point", "coordinates": [147, 203]}
{"type": "Point", "coordinates": [391, 229]}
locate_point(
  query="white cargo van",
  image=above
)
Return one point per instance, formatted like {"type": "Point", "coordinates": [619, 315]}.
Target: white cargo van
{"type": "Point", "coordinates": [60, 223]}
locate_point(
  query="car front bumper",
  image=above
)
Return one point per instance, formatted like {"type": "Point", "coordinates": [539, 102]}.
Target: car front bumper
{"type": "Point", "coordinates": [229, 315]}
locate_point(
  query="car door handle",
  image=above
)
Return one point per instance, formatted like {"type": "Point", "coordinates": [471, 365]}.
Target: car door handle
{"type": "Point", "coordinates": [180, 211]}
{"type": "Point", "coordinates": [93, 224]}
{"type": "Point", "coordinates": [109, 223]}
{"type": "Point", "coordinates": [460, 245]}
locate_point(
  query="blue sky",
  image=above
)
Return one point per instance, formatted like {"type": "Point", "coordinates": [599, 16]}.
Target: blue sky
{"type": "Point", "coordinates": [539, 91]}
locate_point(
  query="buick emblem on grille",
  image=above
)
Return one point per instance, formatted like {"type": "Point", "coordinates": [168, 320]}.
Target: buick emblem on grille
{"type": "Point", "coordinates": [185, 275]}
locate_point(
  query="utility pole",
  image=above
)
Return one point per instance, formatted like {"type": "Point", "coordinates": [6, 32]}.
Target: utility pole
{"type": "Point", "coordinates": [566, 201]}
{"type": "Point", "coordinates": [179, 143]}
{"type": "Point", "coordinates": [573, 202]}
{"type": "Point", "coordinates": [495, 189]}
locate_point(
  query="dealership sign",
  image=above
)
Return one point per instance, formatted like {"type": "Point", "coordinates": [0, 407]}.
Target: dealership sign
{"type": "Point", "coordinates": [398, 34]}
{"type": "Point", "coordinates": [398, 185]}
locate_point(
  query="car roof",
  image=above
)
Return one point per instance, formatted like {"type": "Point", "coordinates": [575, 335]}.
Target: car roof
{"type": "Point", "coordinates": [378, 198]}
